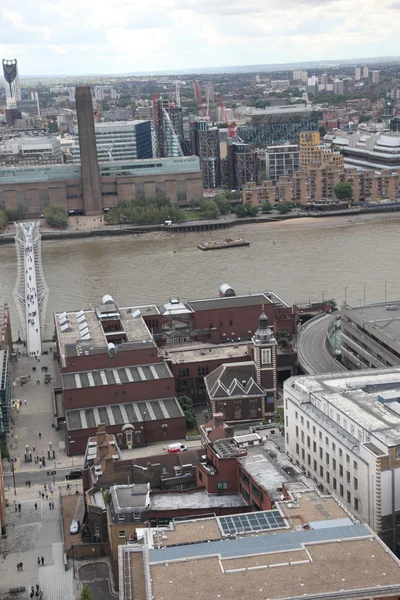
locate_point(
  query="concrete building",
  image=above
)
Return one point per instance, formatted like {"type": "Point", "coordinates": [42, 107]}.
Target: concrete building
{"type": "Point", "coordinates": [178, 178]}
{"type": "Point", "coordinates": [168, 128]}
{"type": "Point", "coordinates": [91, 181]}
{"type": "Point", "coordinates": [242, 165]}
{"type": "Point", "coordinates": [357, 73]}
{"type": "Point", "coordinates": [281, 161]}
{"type": "Point", "coordinates": [371, 336]}
{"type": "Point", "coordinates": [306, 546]}
{"type": "Point", "coordinates": [338, 87]}
{"type": "Point", "coordinates": [365, 72]}
{"type": "Point", "coordinates": [312, 86]}
{"type": "Point", "coordinates": [375, 76]}
{"type": "Point", "coordinates": [120, 140]}
{"type": "Point", "coordinates": [31, 150]}
{"type": "Point", "coordinates": [368, 150]}
{"type": "Point", "coordinates": [300, 75]}
{"type": "Point", "coordinates": [344, 432]}
{"type": "Point", "coordinates": [280, 84]}
{"type": "Point", "coordinates": [206, 145]}
{"type": "Point", "coordinates": [312, 152]}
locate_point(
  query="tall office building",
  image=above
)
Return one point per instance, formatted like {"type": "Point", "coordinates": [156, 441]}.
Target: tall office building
{"type": "Point", "coordinates": [375, 77]}
{"type": "Point", "coordinates": [281, 161]}
{"type": "Point", "coordinates": [300, 75]}
{"type": "Point", "coordinates": [338, 87]}
{"type": "Point", "coordinates": [324, 79]}
{"type": "Point", "coordinates": [210, 92]}
{"type": "Point", "coordinates": [119, 140]}
{"type": "Point", "coordinates": [357, 73]}
{"type": "Point", "coordinates": [91, 182]}
{"type": "Point", "coordinates": [312, 86]}
{"type": "Point", "coordinates": [11, 81]}
{"type": "Point", "coordinates": [205, 145]}
{"type": "Point", "coordinates": [243, 165]}
{"type": "Point", "coordinates": [168, 128]}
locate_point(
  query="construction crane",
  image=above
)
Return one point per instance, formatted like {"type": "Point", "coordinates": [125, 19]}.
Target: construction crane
{"type": "Point", "coordinates": [200, 99]}
{"type": "Point", "coordinates": [231, 127]}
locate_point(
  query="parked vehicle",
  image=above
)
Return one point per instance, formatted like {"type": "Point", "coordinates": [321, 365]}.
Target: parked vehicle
{"type": "Point", "coordinates": [74, 527]}
{"type": "Point", "coordinates": [177, 448]}
{"type": "Point", "coordinates": [74, 474]}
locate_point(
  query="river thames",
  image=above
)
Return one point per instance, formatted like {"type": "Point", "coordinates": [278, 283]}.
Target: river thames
{"type": "Point", "coordinates": [301, 260]}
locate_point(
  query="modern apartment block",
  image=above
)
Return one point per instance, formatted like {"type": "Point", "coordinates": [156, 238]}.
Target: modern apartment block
{"type": "Point", "coordinates": [119, 140]}
{"type": "Point", "coordinates": [371, 336]}
{"type": "Point", "coordinates": [316, 183]}
{"type": "Point", "coordinates": [313, 152]}
{"type": "Point", "coordinates": [375, 76]}
{"type": "Point", "coordinates": [281, 161]}
{"type": "Point", "coordinates": [343, 430]}
{"type": "Point", "coordinates": [205, 145]}
{"type": "Point", "coordinates": [243, 165]}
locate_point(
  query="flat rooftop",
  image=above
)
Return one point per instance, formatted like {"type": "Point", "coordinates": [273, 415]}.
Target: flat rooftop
{"type": "Point", "coordinates": [116, 376]}
{"type": "Point", "coordinates": [252, 299]}
{"type": "Point", "coordinates": [125, 498]}
{"type": "Point", "coordinates": [194, 500]}
{"type": "Point", "coordinates": [356, 395]}
{"type": "Point", "coordinates": [384, 317]}
{"type": "Point", "coordinates": [198, 353]}
{"type": "Point", "coordinates": [122, 414]}
{"type": "Point", "coordinates": [264, 473]}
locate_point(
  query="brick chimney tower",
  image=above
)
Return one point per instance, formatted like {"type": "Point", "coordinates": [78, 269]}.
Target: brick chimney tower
{"type": "Point", "coordinates": [265, 349]}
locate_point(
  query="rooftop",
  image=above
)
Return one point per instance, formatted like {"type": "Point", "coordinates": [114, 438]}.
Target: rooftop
{"type": "Point", "coordinates": [116, 376]}
{"type": "Point", "coordinates": [126, 498]}
{"type": "Point", "coordinates": [356, 395]}
{"type": "Point", "coordinates": [204, 352]}
{"type": "Point", "coordinates": [194, 500]}
{"type": "Point", "coordinates": [252, 299]}
{"type": "Point", "coordinates": [234, 380]}
{"type": "Point", "coordinates": [123, 414]}
{"type": "Point", "coordinates": [384, 317]}
{"type": "Point", "coordinates": [264, 473]}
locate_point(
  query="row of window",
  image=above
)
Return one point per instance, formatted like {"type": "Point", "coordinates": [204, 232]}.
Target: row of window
{"type": "Point", "coordinates": [320, 449]}
{"type": "Point", "coordinates": [348, 426]}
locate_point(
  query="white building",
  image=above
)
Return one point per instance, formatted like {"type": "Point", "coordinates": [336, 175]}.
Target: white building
{"type": "Point", "coordinates": [32, 150]}
{"type": "Point", "coordinates": [300, 75]}
{"type": "Point", "coordinates": [365, 72]}
{"type": "Point", "coordinates": [281, 161]}
{"type": "Point", "coordinates": [375, 77]}
{"type": "Point", "coordinates": [338, 87]}
{"type": "Point", "coordinates": [367, 150]}
{"type": "Point", "coordinates": [119, 140]}
{"type": "Point", "coordinates": [344, 432]}
{"type": "Point", "coordinates": [357, 73]}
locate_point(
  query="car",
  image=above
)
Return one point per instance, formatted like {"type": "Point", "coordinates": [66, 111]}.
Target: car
{"type": "Point", "coordinates": [74, 474]}
{"type": "Point", "coordinates": [177, 448]}
{"type": "Point", "coordinates": [74, 527]}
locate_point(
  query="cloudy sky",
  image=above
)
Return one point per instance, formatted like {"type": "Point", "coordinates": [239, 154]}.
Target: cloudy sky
{"type": "Point", "coordinates": [50, 37]}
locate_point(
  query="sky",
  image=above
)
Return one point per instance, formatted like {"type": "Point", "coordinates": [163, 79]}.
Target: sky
{"type": "Point", "coordinates": [74, 37]}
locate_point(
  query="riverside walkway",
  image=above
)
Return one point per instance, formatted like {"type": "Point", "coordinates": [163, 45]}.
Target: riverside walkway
{"type": "Point", "coordinates": [30, 292]}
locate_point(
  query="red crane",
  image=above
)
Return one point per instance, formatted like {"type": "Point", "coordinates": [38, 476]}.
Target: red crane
{"type": "Point", "coordinates": [231, 127]}
{"type": "Point", "coordinates": [200, 99]}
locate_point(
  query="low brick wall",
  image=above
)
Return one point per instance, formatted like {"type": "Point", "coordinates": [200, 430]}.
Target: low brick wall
{"type": "Point", "coordinates": [89, 550]}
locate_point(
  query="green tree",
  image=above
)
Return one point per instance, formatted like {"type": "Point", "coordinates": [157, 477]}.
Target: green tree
{"type": "Point", "coordinates": [240, 211]}
{"type": "Point", "coordinates": [283, 207]}
{"type": "Point", "coordinates": [364, 118]}
{"type": "Point", "coordinates": [86, 593]}
{"type": "Point", "coordinates": [53, 127]}
{"type": "Point", "coordinates": [56, 217]}
{"type": "Point", "coordinates": [343, 191]}
{"type": "Point", "coordinates": [223, 203]}
{"type": "Point", "coordinates": [322, 130]}
{"type": "Point", "coordinates": [266, 208]}
{"type": "Point", "coordinates": [209, 209]}
{"type": "Point", "coordinates": [107, 496]}
{"type": "Point", "coordinates": [187, 407]}
{"type": "Point", "coordinates": [15, 214]}
{"type": "Point", "coordinates": [3, 219]}
{"type": "Point", "coordinates": [4, 450]}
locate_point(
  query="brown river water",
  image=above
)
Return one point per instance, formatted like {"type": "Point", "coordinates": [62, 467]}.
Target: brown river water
{"type": "Point", "coordinates": [301, 260]}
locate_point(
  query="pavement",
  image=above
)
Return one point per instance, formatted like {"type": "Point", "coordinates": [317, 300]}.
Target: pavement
{"type": "Point", "coordinates": [313, 354]}
{"type": "Point", "coordinates": [96, 577]}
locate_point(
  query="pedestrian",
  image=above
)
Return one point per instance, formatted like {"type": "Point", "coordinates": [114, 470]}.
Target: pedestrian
{"type": "Point", "coordinates": [50, 505]}
{"type": "Point", "coordinates": [29, 483]}
{"type": "Point", "coordinates": [21, 566]}
{"type": "Point", "coordinates": [32, 594]}
{"type": "Point", "coordinates": [42, 495]}
{"type": "Point", "coordinates": [19, 507]}
{"type": "Point", "coordinates": [38, 560]}
{"type": "Point", "coordinates": [47, 496]}
{"type": "Point", "coordinates": [53, 505]}
{"type": "Point", "coordinates": [33, 449]}
{"type": "Point", "coordinates": [35, 505]}
{"type": "Point", "coordinates": [17, 566]}
{"type": "Point", "coordinates": [16, 509]}
{"type": "Point", "coordinates": [40, 436]}
{"type": "Point", "coordinates": [45, 486]}
{"type": "Point", "coordinates": [42, 559]}
{"type": "Point", "coordinates": [25, 402]}
{"type": "Point", "coordinates": [40, 595]}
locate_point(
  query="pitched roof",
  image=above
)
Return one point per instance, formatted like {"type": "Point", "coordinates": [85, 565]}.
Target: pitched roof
{"type": "Point", "coordinates": [232, 380]}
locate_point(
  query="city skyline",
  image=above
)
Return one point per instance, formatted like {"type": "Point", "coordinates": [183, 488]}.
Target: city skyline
{"type": "Point", "coordinates": [177, 35]}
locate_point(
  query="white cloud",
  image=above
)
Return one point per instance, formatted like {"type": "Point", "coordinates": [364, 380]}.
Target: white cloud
{"type": "Point", "coordinates": [82, 36]}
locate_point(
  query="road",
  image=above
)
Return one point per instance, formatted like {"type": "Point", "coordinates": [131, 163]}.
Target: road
{"type": "Point", "coordinates": [313, 355]}
{"type": "Point", "coordinates": [38, 477]}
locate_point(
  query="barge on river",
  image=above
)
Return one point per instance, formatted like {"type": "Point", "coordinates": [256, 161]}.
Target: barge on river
{"type": "Point", "coordinates": [228, 243]}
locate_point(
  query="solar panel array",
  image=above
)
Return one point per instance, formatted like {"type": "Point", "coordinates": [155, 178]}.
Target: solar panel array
{"type": "Point", "coordinates": [251, 522]}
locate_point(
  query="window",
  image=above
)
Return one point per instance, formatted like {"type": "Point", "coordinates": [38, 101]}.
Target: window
{"type": "Point", "coordinates": [340, 452]}
{"type": "Point", "coordinates": [121, 533]}
{"type": "Point", "coordinates": [139, 189]}
{"type": "Point", "coordinates": [266, 356]}
{"type": "Point", "coordinates": [297, 431]}
{"type": "Point", "coordinates": [341, 490]}
{"type": "Point", "coordinates": [333, 447]}
{"type": "Point", "coordinates": [356, 503]}
{"type": "Point", "coordinates": [308, 424]}
{"type": "Point", "coordinates": [287, 438]}
{"type": "Point", "coordinates": [202, 371]}
{"type": "Point", "coordinates": [348, 476]}
{"type": "Point", "coordinates": [222, 485]}
{"type": "Point", "coordinates": [321, 471]}
{"type": "Point", "coordinates": [315, 465]}
{"type": "Point", "coordinates": [287, 421]}
{"type": "Point", "coordinates": [327, 458]}
{"type": "Point", "coordinates": [230, 323]}
{"type": "Point", "coordinates": [302, 436]}
{"type": "Point", "coordinates": [334, 483]}
{"type": "Point", "coordinates": [308, 441]}
{"type": "Point", "coordinates": [397, 452]}
{"type": "Point", "coordinates": [96, 529]}
{"type": "Point", "coordinates": [341, 470]}
{"type": "Point", "coordinates": [348, 497]}
{"type": "Point", "coordinates": [314, 430]}
{"type": "Point", "coordinates": [355, 483]}
{"type": "Point", "coordinates": [302, 420]}
{"type": "Point", "coordinates": [326, 441]}
{"type": "Point", "coordinates": [183, 373]}
{"type": "Point", "coordinates": [355, 465]}
{"type": "Point", "coordinates": [296, 415]}
{"type": "Point", "coordinates": [352, 429]}
{"type": "Point", "coordinates": [314, 446]}
{"type": "Point", "coordinates": [321, 452]}
{"type": "Point", "coordinates": [347, 458]}
{"type": "Point", "coordinates": [297, 449]}
{"type": "Point", "coordinates": [255, 491]}
{"type": "Point", "coordinates": [238, 412]}
{"type": "Point", "coordinates": [245, 479]}
{"type": "Point", "coordinates": [320, 435]}
{"type": "Point", "coordinates": [181, 191]}
{"type": "Point", "coordinates": [328, 477]}
{"type": "Point", "coordinates": [121, 517]}
{"type": "Point", "coordinates": [334, 464]}
{"type": "Point", "coordinates": [136, 515]}
{"type": "Point", "coordinates": [303, 454]}
{"type": "Point", "coordinates": [308, 459]}
{"type": "Point", "coordinates": [338, 418]}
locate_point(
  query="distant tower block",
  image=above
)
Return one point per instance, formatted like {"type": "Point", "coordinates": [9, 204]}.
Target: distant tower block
{"type": "Point", "coordinates": [91, 182]}
{"type": "Point", "coordinates": [12, 85]}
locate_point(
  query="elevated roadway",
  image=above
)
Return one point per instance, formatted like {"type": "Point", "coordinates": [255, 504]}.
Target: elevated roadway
{"type": "Point", "coordinates": [312, 350]}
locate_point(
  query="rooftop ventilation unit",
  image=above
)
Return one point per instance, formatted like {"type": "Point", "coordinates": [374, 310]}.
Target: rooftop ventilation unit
{"type": "Point", "coordinates": [62, 316]}
{"type": "Point", "coordinates": [136, 313]}
{"type": "Point", "coordinates": [81, 319]}
{"type": "Point", "coordinates": [80, 314]}
{"type": "Point", "coordinates": [85, 332]}
{"type": "Point", "coordinates": [82, 325]}
{"type": "Point", "coordinates": [66, 327]}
